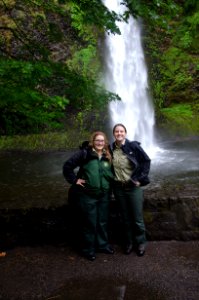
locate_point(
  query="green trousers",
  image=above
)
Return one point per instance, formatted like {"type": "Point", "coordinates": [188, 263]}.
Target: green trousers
{"type": "Point", "coordinates": [130, 202]}
{"type": "Point", "coordinates": [94, 212]}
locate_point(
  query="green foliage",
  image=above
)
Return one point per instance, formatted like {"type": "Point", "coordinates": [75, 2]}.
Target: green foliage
{"type": "Point", "coordinates": [25, 103]}
{"type": "Point", "coordinates": [44, 141]}
{"type": "Point", "coordinates": [158, 93]}
{"type": "Point", "coordinates": [157, 13]}
{"type": "Point", "coordinates": [178, 74]}
{"type": "Point", "coordinates": [49, 60]}
{"type": "Point", "coordinates": [25, 100]}
{"type": "Point", "coordinates": [93, 12]}
{"type": "Point", "coordinates": [85, 62]}
{"type": "Point", "coordinates": [170, 76]}
{"type": "Point", "coordinates": [176, 67]}
{"type": "Point", "coordinates": [187, 34]}
{"type": "Point", "coordinates": [183, 110]}
{"type": "Point", "coordinates": [180, 119]}
{"type": "Point", "coordinates": [173, 55]}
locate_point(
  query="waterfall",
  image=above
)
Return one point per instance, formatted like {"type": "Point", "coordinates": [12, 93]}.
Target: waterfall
{"type": "Point", "coordinates": [126, 75]}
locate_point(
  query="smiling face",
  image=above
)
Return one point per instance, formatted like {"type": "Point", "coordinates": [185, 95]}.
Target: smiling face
{"type": "Point", "coordinates": [99, 143]}
{"type": "Point", "coordinates": [119, 134]}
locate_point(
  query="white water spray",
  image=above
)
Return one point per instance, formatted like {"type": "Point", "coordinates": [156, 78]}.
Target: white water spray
{"type": "Point", "coordinates": [126, 75]}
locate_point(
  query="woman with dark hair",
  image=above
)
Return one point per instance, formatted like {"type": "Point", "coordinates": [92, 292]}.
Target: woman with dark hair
{"type": "Point", "coordinates": [91, 187]}
{"type": "Point", "coordinates": [131, 166]}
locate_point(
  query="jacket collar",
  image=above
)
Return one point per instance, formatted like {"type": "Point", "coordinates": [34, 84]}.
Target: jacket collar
{"type": "Point", "coordinates": [122, 146]}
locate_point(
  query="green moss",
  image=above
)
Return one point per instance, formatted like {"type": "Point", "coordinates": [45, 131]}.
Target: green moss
{"type": "Point", "coordinates": [180, 119]}
{"type": "Point", "coordinates": [178, 110]}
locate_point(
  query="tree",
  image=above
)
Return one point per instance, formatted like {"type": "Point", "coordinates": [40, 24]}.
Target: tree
{"type": "Point", "coordinates": [37, 40]}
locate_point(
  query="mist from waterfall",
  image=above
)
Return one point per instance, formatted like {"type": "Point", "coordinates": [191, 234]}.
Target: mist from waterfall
{"type": "Point", "coordinates": [126, 75]}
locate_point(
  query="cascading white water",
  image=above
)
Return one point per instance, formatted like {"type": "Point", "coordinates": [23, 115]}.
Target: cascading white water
{"type": "Point", "coordinates": [126, 75]}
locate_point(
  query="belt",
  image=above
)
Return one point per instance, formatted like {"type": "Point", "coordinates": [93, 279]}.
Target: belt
{"type": "Point", "coordinates": [123, 183]}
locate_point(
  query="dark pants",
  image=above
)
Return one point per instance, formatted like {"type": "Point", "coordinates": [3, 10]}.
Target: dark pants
{"type": "Point", "coordinates": [94, 211]}
{"type": "Point", "coordinates": [130, 201]}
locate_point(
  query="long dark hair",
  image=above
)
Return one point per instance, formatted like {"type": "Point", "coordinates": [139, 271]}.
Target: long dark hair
{"type": "Point", "coordinates": [106, 149]}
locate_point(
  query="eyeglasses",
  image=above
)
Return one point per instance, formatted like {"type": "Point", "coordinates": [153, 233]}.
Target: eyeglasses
{"type": "Point", "coordinates": [99, 141]}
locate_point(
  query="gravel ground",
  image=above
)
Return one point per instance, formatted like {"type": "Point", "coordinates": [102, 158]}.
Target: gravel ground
{"type": "Point", "coordinates": [169, 270]}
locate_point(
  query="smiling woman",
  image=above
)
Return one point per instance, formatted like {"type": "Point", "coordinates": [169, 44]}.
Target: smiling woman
{"type": "Point", "coordinates": [91, 189]}
{"type": "Point", "coordinates": [131, 165]}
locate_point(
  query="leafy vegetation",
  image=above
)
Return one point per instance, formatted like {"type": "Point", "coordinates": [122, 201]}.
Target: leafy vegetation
{"type": "Point", "coordinates": [50, 62]}
{"type": "Point", "coordinates": [173, 65]}
{"type": "Point", "coordinates": [43, 141]}
{"type": "Point", "coordinates": [180, 116]}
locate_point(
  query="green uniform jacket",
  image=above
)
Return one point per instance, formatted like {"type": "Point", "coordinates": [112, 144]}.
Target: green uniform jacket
{"type": "Point", "coordinates": [96, 172]}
